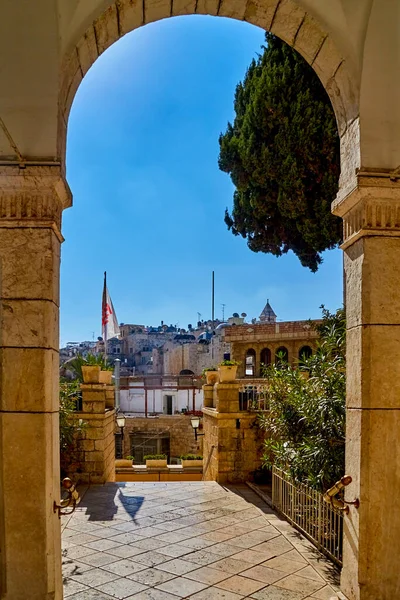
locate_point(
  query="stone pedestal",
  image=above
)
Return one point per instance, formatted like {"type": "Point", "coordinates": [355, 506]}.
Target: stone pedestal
{"type": "Point", "coordinates": [371, 549]}
{"type": "Point", "coordinates": [97, 447]}
{"type": "Point", "coordinates": [232, 444]}
{"type": "Point", "coordinates": [31, 202]}
{"type": "Point", "coordinates": [208, 395]}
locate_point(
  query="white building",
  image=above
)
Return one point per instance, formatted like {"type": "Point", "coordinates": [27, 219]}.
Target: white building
{"type": "Point", "coordinates": [157, 394]}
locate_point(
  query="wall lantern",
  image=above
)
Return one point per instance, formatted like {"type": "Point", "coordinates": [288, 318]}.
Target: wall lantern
{"type": "Point", "coordinates": [195, 422]}
{"type": "Point", "coordinates": [121, 422]}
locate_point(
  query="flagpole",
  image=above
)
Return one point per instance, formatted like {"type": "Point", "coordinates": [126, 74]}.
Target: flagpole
{"type": "Point", "coordinates": [105, 327]}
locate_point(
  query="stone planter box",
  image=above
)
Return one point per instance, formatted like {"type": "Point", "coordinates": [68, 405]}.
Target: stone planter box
{"type": "Point", "coordinates": [91, 374]}
{"type": "Point", "coordinates": [105, 377]}
{"type": "Point", "coordinates": [227, 374]}
{"type": "Point", "coordinates": [123, 463]}
{"type": "Point", "coordinates": [160, 463]}
{"type": "Point", "coordinates": [211, 377]}
{"type": "Point", "coordinates": [191, 463]}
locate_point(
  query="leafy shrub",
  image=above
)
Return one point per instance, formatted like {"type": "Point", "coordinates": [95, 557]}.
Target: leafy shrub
{"type": "Point", "coordinates": [306, 420]}
{"type": "Point", "coordinates": [154, 456]}
{"type": "Point", "coordinates": [229, 363]}
{"type": "Point", "coordinates": [71, 426]}
{"type": "Point", "coordinates": [191, 457]}
{"type": "Point", "coordinates": [206, 369]}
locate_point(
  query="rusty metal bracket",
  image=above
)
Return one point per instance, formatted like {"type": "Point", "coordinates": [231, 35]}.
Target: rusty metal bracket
{"type": "Point", "coordinates": [340, 503]}
{"type": "Point", "coordinates": [71, 500]}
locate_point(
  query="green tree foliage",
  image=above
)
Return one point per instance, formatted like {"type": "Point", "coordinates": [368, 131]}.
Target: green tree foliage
{"type": "Point", "coordinates": [306, 423]}
{"type": "Point", "coordinates": [71, 427]}
{"type": "Point", "coordinates": [282, 153]}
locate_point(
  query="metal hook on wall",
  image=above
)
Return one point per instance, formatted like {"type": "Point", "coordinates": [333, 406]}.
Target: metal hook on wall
{"type": "Point", "coordinates": [70, 501]}
{"type": "Point", "coordinates": [340, 503]}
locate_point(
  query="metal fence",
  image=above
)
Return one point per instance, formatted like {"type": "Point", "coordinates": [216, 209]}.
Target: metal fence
{"type": "Point", "coordinates": [306, 509]}
{"type": "Point", "coordinates": [252, 395]}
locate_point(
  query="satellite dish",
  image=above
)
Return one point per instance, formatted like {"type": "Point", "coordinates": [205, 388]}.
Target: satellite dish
{"type": "Point", "coordinates": [244, 315]}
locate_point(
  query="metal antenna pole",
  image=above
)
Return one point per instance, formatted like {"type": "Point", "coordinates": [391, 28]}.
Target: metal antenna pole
{"type": "Point", "coordinates": [212, 317]}
{"type": "Point", "coordinates": [212, 301]}
{"type": "Point", "coordinates": [102, 316]}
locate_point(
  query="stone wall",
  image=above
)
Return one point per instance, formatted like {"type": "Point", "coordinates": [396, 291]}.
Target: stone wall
{"type": "Point", "coordinates": [194, 356]}
{"type": "Point", "coordinates": [182, 440]}
{"type": "Point", "coordinates": [95, 456]}
{"type": "Point", "coordinates": [232, 443]}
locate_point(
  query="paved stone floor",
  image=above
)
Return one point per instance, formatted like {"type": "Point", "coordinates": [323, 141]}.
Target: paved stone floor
{"type": "Point", "coordinates": [198, 540]}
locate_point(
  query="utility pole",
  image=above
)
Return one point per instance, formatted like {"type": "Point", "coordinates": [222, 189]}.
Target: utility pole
{"type": "Point", "coordinates": [212, 300]}
{"type": "Point", "coordinates": [212, 317]}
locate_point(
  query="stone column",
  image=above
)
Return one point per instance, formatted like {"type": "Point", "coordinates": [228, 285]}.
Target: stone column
{"type": "Point", "coordinates": [31, 202]}
{"type": "Point", "coordinates": [371, 215]}
{"type": "Point", "coordinates": [231, 443]}
{"type": "Point", "coordinates": [98, 444]}
{"type": "Point", "coordinates": [208, 395]}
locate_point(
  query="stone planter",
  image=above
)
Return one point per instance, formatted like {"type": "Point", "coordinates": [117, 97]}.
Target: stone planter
{"type": "Point", "coordinates": [105, 377]}
{"type": "Point", "coordinates": [227, 374]}
{"type": "Point", "coordinates": [91, 374]}
{"type": "Point", "coordinates": [160, 463]}
{"type": "Point", "coordinates": [123, 463]}
{"type": "Point", "coordinates": [191, 463]}
{"type": "Point", "coordinates": [211, 377]}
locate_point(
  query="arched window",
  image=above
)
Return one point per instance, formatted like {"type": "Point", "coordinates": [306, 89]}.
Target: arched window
{"type": "Point", "coordinates": [250, 363]}
{"type": "Point", "coordinates": [265, 359]}
{"type": "Point", "coordinates": [304, 353]}
{"type": "Point", "coordinates": [281, 355]}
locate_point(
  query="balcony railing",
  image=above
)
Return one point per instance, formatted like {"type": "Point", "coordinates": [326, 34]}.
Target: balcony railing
{"type": "Point", "coordinates": [252, 395]}
{"type": "Point", "coordinates": [307, 511]}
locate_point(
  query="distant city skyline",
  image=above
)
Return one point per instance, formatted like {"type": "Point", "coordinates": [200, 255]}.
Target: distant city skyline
{"type": "Point", "coordinates": [149, 199]}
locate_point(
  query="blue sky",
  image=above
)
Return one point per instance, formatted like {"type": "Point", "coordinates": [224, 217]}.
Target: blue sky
{"type": "Point", "coordinates": [149, 199]}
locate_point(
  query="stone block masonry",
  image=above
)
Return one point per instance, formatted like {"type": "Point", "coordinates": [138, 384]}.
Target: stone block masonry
{"type": "Point", "coordinates": [232, 445]}
{"type": "Point", "coordinates": [177, 427]}
{"type": "Point", "coordinates": [96, 448]}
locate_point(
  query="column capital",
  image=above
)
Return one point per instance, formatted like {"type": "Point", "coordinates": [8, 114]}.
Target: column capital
{"type": "Point", "coordinates": [372, 208]}
{"type": "Point", "coordinates": [34, 196]}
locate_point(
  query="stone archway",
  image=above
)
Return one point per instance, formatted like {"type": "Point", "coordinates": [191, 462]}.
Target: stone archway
{"type": "Point", "coordinates": [353, 51]}
{"type": "Point", "coordinates": [285, 18]}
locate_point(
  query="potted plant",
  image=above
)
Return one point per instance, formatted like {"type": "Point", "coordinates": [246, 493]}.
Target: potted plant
{"type": "Point", "coordinates": [227, 370]}
{"type": "Point", "coordinates": [89, 368]}
{"type": "Point", "coordinates": [191, 460]}
{"type": "Point", "coordinates": [91, 373]}
{"type": "Point", "coordinates": [156, 461]}
{"type": "Point", "coordinates": [106, 374]}
{"type": "Point", "coordinates": [211, 375]}
{"type": "Point", "coordinates": [124, 462]}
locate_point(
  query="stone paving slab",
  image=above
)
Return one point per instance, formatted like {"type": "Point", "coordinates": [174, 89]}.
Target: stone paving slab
{"type": "Point", "coordinates": [197, 540]}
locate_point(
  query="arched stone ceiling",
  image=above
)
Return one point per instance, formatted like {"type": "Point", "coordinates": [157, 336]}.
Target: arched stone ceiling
{"type": "Point", "coordinates": [47, 46]}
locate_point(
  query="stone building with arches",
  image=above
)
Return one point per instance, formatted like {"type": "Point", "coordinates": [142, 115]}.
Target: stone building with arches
{"type": "Point", "coordinates": [47, 47]}
{"type": "Point", "coordinates": [260, 344]}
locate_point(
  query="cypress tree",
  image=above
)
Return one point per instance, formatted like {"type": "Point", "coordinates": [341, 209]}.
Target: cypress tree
{"type": "Point", "coordinates": [282, 153]}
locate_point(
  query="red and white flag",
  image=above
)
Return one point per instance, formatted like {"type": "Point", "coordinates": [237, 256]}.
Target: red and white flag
{"type": "Point", "coordinates": [109, 323]}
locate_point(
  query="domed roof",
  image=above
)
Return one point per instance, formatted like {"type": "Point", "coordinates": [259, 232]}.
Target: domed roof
{"type": "Point", "coordinates": [205, 336]}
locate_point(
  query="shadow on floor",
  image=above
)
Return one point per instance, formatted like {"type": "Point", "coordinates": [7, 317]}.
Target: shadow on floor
{"type": "Point", "coordinates": [102, 503]}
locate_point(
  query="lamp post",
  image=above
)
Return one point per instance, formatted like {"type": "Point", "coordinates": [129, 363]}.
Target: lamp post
{"type": "Point", "coordinates": [195, 422]}
{"type": "Point", "coordinates": [121, 421]}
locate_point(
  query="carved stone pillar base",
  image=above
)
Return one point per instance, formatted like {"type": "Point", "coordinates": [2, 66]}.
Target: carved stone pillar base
{"type": "Point", "coordinates": [371, 215]}
{"type": "Point", "coordinates": [31, 202]}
